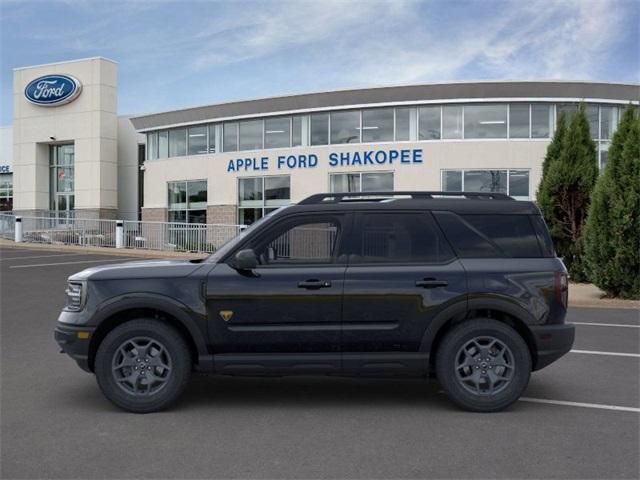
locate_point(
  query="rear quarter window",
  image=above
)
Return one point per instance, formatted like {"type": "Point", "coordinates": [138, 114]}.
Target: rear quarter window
{"type": "Point", "coordinates": [485, 236]}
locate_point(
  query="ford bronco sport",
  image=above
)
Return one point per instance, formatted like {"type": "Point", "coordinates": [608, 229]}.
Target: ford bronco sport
{"type": "Point", "coordinates": [466, 285]}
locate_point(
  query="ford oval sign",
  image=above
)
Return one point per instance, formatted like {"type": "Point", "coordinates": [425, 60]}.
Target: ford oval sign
{"type": "Point", "coordinates": [53, 90]}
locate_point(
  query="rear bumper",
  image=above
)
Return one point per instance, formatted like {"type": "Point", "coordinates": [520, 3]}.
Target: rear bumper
{"type": "Point", "coordinates": [74, 341]}
{"type": "Point", "coordinates": [552, 342]}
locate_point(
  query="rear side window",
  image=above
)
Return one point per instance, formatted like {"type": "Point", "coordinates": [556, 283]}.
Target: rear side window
{"type": "Point", "coordinates": [485, 236]}
{"type": "Point", "coordinates": [513, 234]}
{"type": "Point", "coordinates": [400, 238]}
{"type": "Point", "coordinates": [543, 236]}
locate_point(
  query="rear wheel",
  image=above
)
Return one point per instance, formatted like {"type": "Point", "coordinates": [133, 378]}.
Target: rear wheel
{"type": "Point", "coordinates": [143, 365]}
{"type": "Point", "coordinates": [483, 365]}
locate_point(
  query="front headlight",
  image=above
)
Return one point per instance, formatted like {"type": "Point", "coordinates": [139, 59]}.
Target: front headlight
{"type": "Point", "coordinates": [75, 296]}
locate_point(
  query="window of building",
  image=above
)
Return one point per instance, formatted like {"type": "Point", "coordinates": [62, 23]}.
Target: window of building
{"type": "Point", "coordinates": [152, 146]}
{"type": "Point", "coordinates": [178, 142]}
{"type": "Point", "coordinates": [277, 132]}
{"type": "Point", "coordinates": [429, 123]}
{"type": "Point", "coordinates": [304, 240]}
{"type": "Point", "coordinates": [360, 182]}
{"type": "Point", "coordinates": [452, 121]}
{"type": "Point", "coordinates": [6, 192]}
{"type": "Point", "coordinates": [345, 127]}
{"type": "Point", "coordinates": [230, 137]}
{"type": "Point", "coordinates": [604, 153]}
{"type": "Point", "coordinates": [197, 140]}
{"type": "Point", "coordinates": [400, 238]}
{"type": "Point", "coordinates": [519, 120]}
{"type": "Point", "coordinates": [296, 131]}
{"type": "Point", "coordinates": [212, 138]}
{"type": "Point", "coordinates": [258, 196]}
{"type": "Point", "coordinates": [377, 125]}
{"type": "Point", "coordinates": [320, 129]}
{"type": "Point", "coordinates": [512, 182]}
{"type": "Point", "coordinates": [541, 120]}
{"type": "Point", "coordinates": [251, 135]}
{"type": "Point", "coordinates": [163, 144]}
{"type": "Point", "coordinates": [62, 176]}
{"type": "Point", "coordinates": [403, 124]}
{"type": "Point", "coordinates": [592, 113]}
{"type": "Point", "coordinates": [188, 201]}
{"type": "Point", "coordinates": [485, 121]}
{"type": "Point", "coordinates": [608, 121]}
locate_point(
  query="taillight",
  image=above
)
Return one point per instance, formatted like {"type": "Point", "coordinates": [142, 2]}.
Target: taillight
{"type": "Point", "coordinates": [562, 288]}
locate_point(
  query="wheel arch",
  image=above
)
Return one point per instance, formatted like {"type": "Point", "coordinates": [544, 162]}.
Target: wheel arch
{"type": "Point", "coordinates": [121, 310]}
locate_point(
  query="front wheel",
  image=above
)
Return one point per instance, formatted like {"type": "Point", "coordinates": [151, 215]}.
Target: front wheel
{"type": "Point", "coordinates": [143, 365]}
{"type": "Point", "coordinates": [483, 365]}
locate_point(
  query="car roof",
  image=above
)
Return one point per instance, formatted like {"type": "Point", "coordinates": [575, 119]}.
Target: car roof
{"type": "Point", "coordinates": [457, 202]}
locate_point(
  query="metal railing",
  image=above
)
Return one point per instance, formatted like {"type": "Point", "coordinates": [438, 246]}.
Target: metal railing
{"type": "Point", "coordinates": [163, 236]}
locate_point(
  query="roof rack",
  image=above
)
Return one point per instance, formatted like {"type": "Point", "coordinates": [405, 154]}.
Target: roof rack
{"type": "Point", "coordinates": [380, 196]}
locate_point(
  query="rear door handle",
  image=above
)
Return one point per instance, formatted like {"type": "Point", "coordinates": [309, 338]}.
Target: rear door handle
{"type": "Point", "coordinates": [431, 283]}
{"type": "Point", "coordinates": [314, 284]}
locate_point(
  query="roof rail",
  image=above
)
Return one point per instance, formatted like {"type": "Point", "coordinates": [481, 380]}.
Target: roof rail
{"type": "Point", "coordinates": [384, 195]}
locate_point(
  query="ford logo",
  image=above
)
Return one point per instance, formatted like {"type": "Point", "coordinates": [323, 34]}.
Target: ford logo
{"type": "Point", "coordinates": [53, 90]}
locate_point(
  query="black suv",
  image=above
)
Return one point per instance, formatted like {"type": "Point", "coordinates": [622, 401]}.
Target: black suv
{"type": "Point", "coordinates": [465, 285]}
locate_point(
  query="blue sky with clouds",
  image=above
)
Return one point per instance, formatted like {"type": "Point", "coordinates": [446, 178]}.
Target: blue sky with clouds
{"type": "Point", "coordinates": [184, 53]}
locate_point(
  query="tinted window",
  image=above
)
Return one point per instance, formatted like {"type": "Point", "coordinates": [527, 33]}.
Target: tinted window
{"type": "Point", "coordinates": [543, 235]}
{"type": "Point", "coordinates": [466, 241]}
{"type": "Point", "coordinates": [303, 241]}
{"type": "Point", "coordinates": [400, 238]}
{"type": "Point", "coordinates": [513, 234]}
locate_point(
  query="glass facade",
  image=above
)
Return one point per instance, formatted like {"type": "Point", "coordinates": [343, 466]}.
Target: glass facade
{"type": "Point", "coordinates": [187, 201]}
{"type": "Point", "coordinates": [345, 127]}
{"type": "Point", "coordinates": [61, 179]}
{"type": "Point", "coordinates": [485, 121]}
{"type": "Point", "coordinates": [429, 123]}
{"type": "Point", "coordinates": [377, 125]}
{"type": "Point", "coordinates": [258, 196]}
{"type": "Point", "coordinates": [6, 192]}
{"type": "Point", "coordinates": [360, 182]}
{"type": "Point", "coordinates": [512, 182]}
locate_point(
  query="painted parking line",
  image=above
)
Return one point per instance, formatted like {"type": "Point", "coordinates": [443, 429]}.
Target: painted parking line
{"type": "Point", "coordinates": [72, 263]}
{"type": "Point", "coordinates": [613, 354]}
{"type": "Point", "coordinates": [580, 404]}
{"type": "Point", "coordinates": [606, 324]}
{"type": "Point", "coordinates": [40, 256]}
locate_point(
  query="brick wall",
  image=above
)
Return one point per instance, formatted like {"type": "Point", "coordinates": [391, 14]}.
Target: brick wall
{"type": "Point", "coordinates": [223, 214]}
{"type": "Point", "coordinates": [154, 214]}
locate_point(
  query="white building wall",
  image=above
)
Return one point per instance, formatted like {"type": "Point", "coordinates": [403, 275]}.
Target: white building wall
{"type": "Point", "coordinates": [128, 169]}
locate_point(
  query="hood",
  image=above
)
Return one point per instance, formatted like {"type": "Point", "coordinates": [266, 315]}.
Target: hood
{"type": "Point", "coordinates": [139, 269]}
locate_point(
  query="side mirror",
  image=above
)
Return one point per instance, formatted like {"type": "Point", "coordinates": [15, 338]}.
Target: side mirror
{"type": "Point", "coordinates": [245, 260]}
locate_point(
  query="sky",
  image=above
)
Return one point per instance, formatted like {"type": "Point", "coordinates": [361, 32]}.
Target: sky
{"type": "Point", "coordinates": [176, 54]}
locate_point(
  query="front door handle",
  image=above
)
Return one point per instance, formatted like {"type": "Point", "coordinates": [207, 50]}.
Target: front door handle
{"type": "Point", "coordinates": [431, 283]}
{"type": "Point", "coordinates": [314, 284]}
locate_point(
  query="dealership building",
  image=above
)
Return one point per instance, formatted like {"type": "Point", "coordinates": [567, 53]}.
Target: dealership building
{"type": "Point", "coordinates": [69, 150]}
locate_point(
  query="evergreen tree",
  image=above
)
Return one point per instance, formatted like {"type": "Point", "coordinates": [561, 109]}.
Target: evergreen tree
{"type": "Point", "coordinates": [555, 147]}
{"type": "Point", "coordinates": [612, 233]}
{"type": "Point", "coordinates": [565, 192]}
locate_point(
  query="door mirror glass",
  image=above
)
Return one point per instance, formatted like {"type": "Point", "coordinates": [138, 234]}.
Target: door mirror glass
{"type": "Point", "coordinates": [246, 260]}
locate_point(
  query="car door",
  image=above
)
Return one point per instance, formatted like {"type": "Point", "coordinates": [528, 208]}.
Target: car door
{"type": "Point", "coordinates": [401, 273]}
{"type": "Point", "coordinates": [292, 302]}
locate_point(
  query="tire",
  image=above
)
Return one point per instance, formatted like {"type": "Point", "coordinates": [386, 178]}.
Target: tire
{"type": "Point", "coordinates": [143, 365]}
{"type": "Point", "coordinates": [471, 381]}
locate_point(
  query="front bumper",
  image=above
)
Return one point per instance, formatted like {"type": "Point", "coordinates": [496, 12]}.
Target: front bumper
{"type": "Point", "coordinates": [74, 341]}
{"type": "Point", "coordinates": [552, 342]}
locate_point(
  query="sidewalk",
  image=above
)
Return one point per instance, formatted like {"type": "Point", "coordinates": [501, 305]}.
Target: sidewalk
{"type": "Point", "coordinates": [588, 295]}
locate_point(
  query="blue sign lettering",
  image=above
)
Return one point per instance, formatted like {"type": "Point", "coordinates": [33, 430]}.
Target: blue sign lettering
{"type": "Point", "coordinates": [52, 90]}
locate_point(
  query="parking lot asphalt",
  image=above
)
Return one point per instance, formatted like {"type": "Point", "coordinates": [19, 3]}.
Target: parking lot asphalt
{"type": "Point", "coordinates": [55, 423]}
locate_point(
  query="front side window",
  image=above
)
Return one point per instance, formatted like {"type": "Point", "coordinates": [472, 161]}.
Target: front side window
{"type": "Point", "coordinates": [377, 125]}
{"type": "Point", "coordinates": [277, 132]}
{"type": "Point", "coordinates": [178, 142]}
{"type": "Point", "coordinates": [303, 241]}
{"type": "Point", "coordinates": [187, 201]}
{"type": "Point", "coordinates": [251, 135]}
{"type": "Point", "coordinates": [485, 121]}
{"type": "Point", "coordinates": [345, 127]}
{"type": "Point", "coordinates": [429, 123]}
{"type": "Point", "coordinates": [361, 182]}
{"type": "Point", "coordinates": [197, 140]}
{"type": "Point", "coordinates": [400, 238]}
{"type": "Point", "coordinates": [258, 196]}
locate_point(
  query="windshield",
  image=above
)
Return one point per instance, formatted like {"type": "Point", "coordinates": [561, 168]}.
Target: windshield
{"type": "Point", "coordinates": [231, 244]}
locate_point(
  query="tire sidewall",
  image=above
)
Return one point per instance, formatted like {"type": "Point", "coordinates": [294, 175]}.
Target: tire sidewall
{"type": "Point", "coordinates": [178, 377]}
{"type": "Point", "coordinates": [459, 336]}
